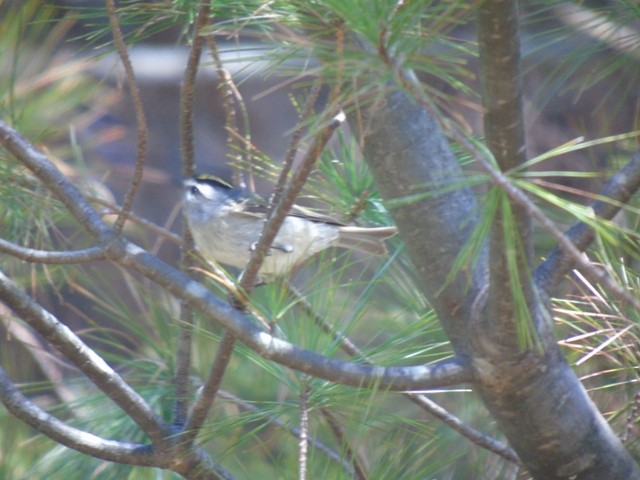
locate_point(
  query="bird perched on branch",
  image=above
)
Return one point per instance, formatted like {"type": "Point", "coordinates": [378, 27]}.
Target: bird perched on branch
{"type": "Point", "coordinates": [226, 223]}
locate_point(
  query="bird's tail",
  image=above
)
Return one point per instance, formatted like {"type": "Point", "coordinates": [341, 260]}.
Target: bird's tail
{"type": "Point", "coordinates": [367, 240]}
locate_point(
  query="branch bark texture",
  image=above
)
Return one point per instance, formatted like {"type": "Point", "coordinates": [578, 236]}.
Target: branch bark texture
{"type": "Point", "coordinates": [536, 398]}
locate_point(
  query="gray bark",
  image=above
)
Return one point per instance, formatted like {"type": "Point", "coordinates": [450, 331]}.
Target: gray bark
{"type": "Point", "coordinates": [536, 398]}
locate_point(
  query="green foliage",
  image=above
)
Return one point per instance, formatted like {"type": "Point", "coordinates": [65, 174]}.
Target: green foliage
{"type": "Point", "coordinates": [376, 303]}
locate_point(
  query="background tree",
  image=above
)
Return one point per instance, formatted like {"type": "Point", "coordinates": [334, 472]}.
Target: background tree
{"type": "Point", "coordinates": [331, 376]}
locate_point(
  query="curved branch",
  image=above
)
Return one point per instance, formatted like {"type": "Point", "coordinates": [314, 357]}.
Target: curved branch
{"type": "Point", "coordinates": [111, 450]}
{"type": "Point", "coordinates": [141, 122]}
{"type": "Point", "coordinates": [279, 211]}
{"type": "Point", "coordinates": [618, 190]}
{"type": "Point", "coordinates": [91, 364]}
{"type": "Point", "coordinates": [58, 258]}
{"type": "Point", "coordinates": [450, 372]}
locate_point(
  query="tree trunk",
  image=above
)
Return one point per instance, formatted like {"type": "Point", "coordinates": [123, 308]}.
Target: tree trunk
{"type": "Point", "coordinates": [536, 398]}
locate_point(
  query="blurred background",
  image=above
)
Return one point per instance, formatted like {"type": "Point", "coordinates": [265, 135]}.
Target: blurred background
{"type": "Point", "coordinates": [64, 88]}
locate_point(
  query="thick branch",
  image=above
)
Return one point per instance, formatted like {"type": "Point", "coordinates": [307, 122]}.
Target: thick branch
{"type": "Point", "coordinates": [511, 240]}
{"type": "Point", "coordinates": [397, 378]}
{"type": "Point", "coordinates": [450, 372]}
{"type": "Point", "coordinates": [408, 154]}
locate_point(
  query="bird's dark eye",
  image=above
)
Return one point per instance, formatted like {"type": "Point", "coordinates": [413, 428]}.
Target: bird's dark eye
{"type": "Point", "coordinates": [195, 190]}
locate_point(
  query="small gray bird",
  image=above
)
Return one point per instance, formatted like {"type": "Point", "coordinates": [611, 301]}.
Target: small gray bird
{"type": "Point", "coordinates": [226, 223]}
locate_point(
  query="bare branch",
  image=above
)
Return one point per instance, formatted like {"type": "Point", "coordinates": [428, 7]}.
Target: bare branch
{"type": "Point", "coordinates": [229, 90]}
{"type": "Point", "coordinates": [279, 211]}
{"type": "Point", "coordinates": [208, 393]}
{"type": "Point", "coordinates": [48, 257]}
{"type": "Point", "coordinates": [90, 363]}
{"type": "Point", "coordinates": [157, 230]}
{"type": "Point", "coordinates": [43, 422]}
{"type": "Point", "coordinates": [360, 472]}
{"type": "Point", "coordinates": [303, 444]}
{"type": "Point", "coordinates": [187, 93]}
{"type": "Point", "coordinates": [314, 442]}
{"type": "Point", "coordinates": [141, 122]}
{"type": "Point", "coordinates": [449, 372]}
{"type": "Point", "coordinates": [312, 98]}
{"type": "Point", "coordinates": [188, 90]}
{"type": "Point", "coordinates": [618, 190]}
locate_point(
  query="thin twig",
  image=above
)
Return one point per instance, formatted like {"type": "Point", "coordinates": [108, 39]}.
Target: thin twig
{"type": "Point", "coordinates": [616, 192]}
{"type": "Point", "coordinates": [183, 366]}
{"type": "Point", "coordinates": [294, 144]}
{"type": "Point", "coordinates": [360, 472]}
{"type": "Point", "coordinates": [141, 123]}
{"type": "Point", "coordinates": [187, 92]}
{"type": "Point", "coordinates": [156, 230]}
{"type": "Point", "coordinates": [314, 442]}
{"type": "Point", "coordinates": [207, 395]}
{"type": "Point", "coordinates": [303, 444]}
{"type": "Point", "coordinates": [634, 415]}
{"type": "Point", "coordinates": [424, 402]}
{"type": "Point", "coordinates": [228, 89]}
{"type": "Point", "coordinates": [47, 257]}
{"type": "Point", "coordinates": [187, 262]}
{"type": "Point", "coordinates": [280, 210]}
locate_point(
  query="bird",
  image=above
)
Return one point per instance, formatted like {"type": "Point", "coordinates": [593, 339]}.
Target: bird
{"type": "Point", "coordinates": [226, 223]}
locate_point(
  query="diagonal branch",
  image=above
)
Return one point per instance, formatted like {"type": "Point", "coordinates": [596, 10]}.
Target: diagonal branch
{"type": "Point", "coordinates": [208, 393]}
{"type": "Point", "coordinates": [332, 455]}
{"type": "Point", "coordinates": [91, 364]}
{"type": "Point", "coordinates": [618, 190]}
{"type": "Point", "coordinates": [55, 181]}
{"type": "Point", "coordinates": [85, 442]}
{"type": "Point", "coordinates": [422, 401]}
{"type": "Point", "coordinates": [281, 209]}
{"type": "Point", "coordinates": [448, 372]}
